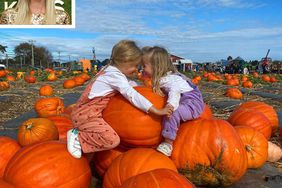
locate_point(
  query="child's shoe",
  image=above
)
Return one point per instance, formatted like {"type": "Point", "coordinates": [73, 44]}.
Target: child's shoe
{"type": "Point", "coordinates": [73, 144]}
{"type": "Point", "coordinates": [165, 148]}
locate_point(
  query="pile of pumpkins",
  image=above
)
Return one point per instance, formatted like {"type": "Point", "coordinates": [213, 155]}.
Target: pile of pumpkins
{"type": "Point", "coordinates": [207, 151]}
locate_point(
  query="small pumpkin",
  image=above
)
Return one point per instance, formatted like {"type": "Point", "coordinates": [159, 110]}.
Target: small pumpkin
{"type": "Point", "coordinates": [46, 107]}
{"type": "Point", "coordinates": [256, 145]}
{"type": "Point", "coordinates": [46, 90]}
{"type": "Point", "coordinates": [68, 84]}
{"type": "Point", "coordinates": [4, 85]}
{"type": "Point", "coordinates": [265, 78]}
{"type": "Point", "coordinates": [247, 84]}
{"type": "Point", "coordinates": [10, 78]}
{"type": "Point", "coordinates": [52, 77]}
{"type": "Point", "coordinates": [37, 130]}
{"type": "Point", "coordinates": [274, 152]}
{"type": "Point", "coordinates": [79, 81]}
{"type": "Point", "coordinates": [2, 73]}
{"type": "Point", "coordinates": [30, 79]}
{"type": "Point", "coordinates": [234, 93]}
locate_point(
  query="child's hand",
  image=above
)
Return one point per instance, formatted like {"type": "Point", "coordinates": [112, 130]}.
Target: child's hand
{"type": "Point", "coordinates": [167, 110]}
{"type": "Point", "coordinates": [171, 108]}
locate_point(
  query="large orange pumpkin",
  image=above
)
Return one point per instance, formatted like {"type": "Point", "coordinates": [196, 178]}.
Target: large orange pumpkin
{"type": "Point", "coordinates": [256, 145]}
{"type": "Point", "coordinates": [252, 118]}
{"type": "Point", "coordinates": [46, 90]}
{"type": "Point", "coordinates": [37, 130]}
{"type": "Point", "coordinates": [63, 124]}
{"type": "Point", "coordinates": [46, 107]}
{"type": "Point", "coordinates": [159, 178]}
{"type": "Point", "coordinates": [135, 127]}
{"type": "Point", "coordinates": [209, 152]}
{"type": "Point", "coordinates": [8, 147]}
{"type": "Point", "coordinates": [103, 159]}
{"type": "Point", "coordinates": [134, 162]}
{"type": "Point", "coordinates": [4, 184]}
{"type": "Point", "coordinates": [264, 108]}
{"type": "Point", "coordinates": [47, 164]}
{"type": "Point", "coordinates": [207, 113]}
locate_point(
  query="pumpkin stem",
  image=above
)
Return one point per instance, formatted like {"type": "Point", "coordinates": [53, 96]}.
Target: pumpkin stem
{"type": "Point", "coordinates": [29, 126]}
{"type": "Point", "coordinates": [248, 148]}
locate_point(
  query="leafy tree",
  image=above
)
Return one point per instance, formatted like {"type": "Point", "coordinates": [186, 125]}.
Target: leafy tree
{"type": "Point", "coordinates": [2, 49]}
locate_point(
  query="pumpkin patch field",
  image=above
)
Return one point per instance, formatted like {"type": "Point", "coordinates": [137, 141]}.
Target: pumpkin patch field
{"type": "Point", "coordinates": [236, 142]}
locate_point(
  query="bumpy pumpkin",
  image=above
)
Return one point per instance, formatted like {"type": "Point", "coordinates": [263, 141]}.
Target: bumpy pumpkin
{"type": "Point", "coordinates": [46, 90]}
{"type": "Point", "coordinates": [209, 152]}
{"type": "Point", "coordinates": [274, 152]}
{"type": "Point", "coordinates": [37, 130]}
{"type": "Point", "coordinates": [252, 118]}
{"type": "Point", "coordinates": [46, 107]}
{"type": "Point", "coordinates": [8, 147]}
{"type": "Point", "coordinates": [134, 162]}
{"type": "Point", "coordinates": [135, 127]}
{"type": "Point", "coordinates": [47, 164]}
{"type": "Point", "coordinates": [103, 159]}
{"type": "Point", "coordinates": [264, 108]}
{"type": "Point", "coordinates": [255, 144]}
{"type": "Point", "coordinates": [160, 178]}
{"type": "Point", "coordinates": [63, 124]}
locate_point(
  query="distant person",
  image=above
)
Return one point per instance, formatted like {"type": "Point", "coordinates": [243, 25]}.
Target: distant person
{"type": "Point", "coordinates": [245, 70]}
{"type": "Point", "coordinates": [183, 96]}
{"type": "Point", "coordinates": [35, 12]}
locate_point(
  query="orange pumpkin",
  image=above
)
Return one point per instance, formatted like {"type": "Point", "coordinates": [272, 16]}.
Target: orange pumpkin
{"type": "Point", "coordinates": [85, 76]}
{"type": "Point", "coordinates": [234, 93]}
{"type": "Point", "coordinates": [103, 159]}
{"type": "Point", "coordinates": [247, 84]}
{"type": "Point", "coordinates": [232, 82]}
{"type": "Point", "coordinates": [134, 162]}
{"type": "Point", "coordinates": [63, 124]}
{"type": "Point", "coordinates": [79, 81]}
{"type": "Point", "coordinates": [209, 152]}
{"type": "Point", "coordinates": [46, 90]}
{"type": "Point", "coordinates": [2, 73]}
{"type": "Point", "coordinates": [47, 164]}
{"type": "Point", "coordinates": [119, 109]}
{"type": "Point", "coordinates": [255, 75]}
{"type": "Point", "coordinates": [207, 113]}
{"type": "Point", "coordinates": [46, 107]}
{"type": "Point", "coordinates": [160, 178]}
{"type": "Point", "coordinates": [37, 130]}
{"type": "Point", "coordinates": [52, 77]}
{"type": "Point", "coordinates": [197, 77]}
{"type": "Point", "coordinates": [68, 110]}
{"type": "Point", "coordinates": [244, 78]}
{"type": "Point", "coordinates": [256, 145]}
{"type": "Point", "coordinates": [32, 72]}
{"type": "Point", "coordinates": [252, 118]}
{"type": "Point", "coordinates": [265, 78]}
{"type": "Point", "coordinates": [273, 79]}
{"type": "Point", "coordinates": [8, 147]}
{"type": "Point", "coordinates": [10, 78]}
{"type": "Point", "coordinates": [4, 85]}
{"type": "Point", "coordinates": [4, 184]}
{"type": "Point", "coordinates": [264, 108]}
{"type": "Point", "coordinates": [195, 81]}
{"type": "Point", "coordinates": [68, 84]}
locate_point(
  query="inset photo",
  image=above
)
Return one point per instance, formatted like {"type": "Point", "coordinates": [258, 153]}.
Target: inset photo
{"type": "Point", "coordinates": [37, 13]}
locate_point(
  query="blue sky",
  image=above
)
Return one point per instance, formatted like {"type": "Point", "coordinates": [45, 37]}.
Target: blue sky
{"type": "Point", "coordinates": [201, 30]}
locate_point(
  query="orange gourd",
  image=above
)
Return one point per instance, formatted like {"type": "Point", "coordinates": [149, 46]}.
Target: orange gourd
{"type": "Point", "coordinates": [47, 164]}
{"type": "Point", "coordinates": [134, 162]}
{"type": "Point", "coordinates": [252, 118]}
{"type": "Point", "coordinates": [141, 129]}
{"type": "Point", "coordinates": [46, 90]}
{"type": "Point", "coordinates": [46, 107]}
{"type": "Point", "coordinates": [37, 130]}
{"type": "Point", "coordinates": [264, 108]}
{"type": "Point", "coordinates": [256, 145]}
{"type": "Point", "coordinates": [8, 147]}
{"type": "Point", "coordinates": [209, 152]}
{"type": "Point", "coordinates": [63, 124]}
{"type": "Point", "coordinates": [159, 178]}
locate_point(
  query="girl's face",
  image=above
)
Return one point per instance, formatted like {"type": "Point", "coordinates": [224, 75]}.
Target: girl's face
{"type": "Point", "coordinates": [129, 68]}
{"type": "Point", "coordinates": [147, 67]}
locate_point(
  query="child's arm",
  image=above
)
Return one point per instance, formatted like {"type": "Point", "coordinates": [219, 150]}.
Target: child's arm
{"type": "Point", "coordinates": [167, 110]}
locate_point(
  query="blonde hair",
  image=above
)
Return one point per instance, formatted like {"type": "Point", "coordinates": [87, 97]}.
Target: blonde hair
{"type": "Point", "coordinates": [161, 64]}
{"type": "Point", "coordinates": [24, 14]}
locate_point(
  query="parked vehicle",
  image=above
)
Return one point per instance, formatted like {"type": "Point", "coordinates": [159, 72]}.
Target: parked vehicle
{"type": "Point", "coordinates": [2, 67]}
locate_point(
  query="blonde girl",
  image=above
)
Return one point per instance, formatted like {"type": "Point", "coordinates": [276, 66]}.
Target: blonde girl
{"type": "Point", "coordinates": [92, 133]}
{"type": "Point", "coordinates": [183, 97]}
{"type": "Point", "coordinates": [35, 12]}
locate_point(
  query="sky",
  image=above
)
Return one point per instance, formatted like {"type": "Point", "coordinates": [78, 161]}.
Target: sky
{"type": "Point", "coordinates": [200, 30]}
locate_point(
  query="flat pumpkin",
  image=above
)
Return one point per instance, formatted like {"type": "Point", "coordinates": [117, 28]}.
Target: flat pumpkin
{"type": "Point", "coordinates": [160, 178]}
{"type": "Point", "coordinates": [46, 107]}
{"type": "Point", "coordinates": [47, 164]}
{"type": "Point", "coordinates": [8, 147]}
{"type": "Point", "coordinates": [209, 152]}
{"type": "Point", "coordinates": [135, 127]}
{"type": "Point", "coordinates": [35, 130]}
